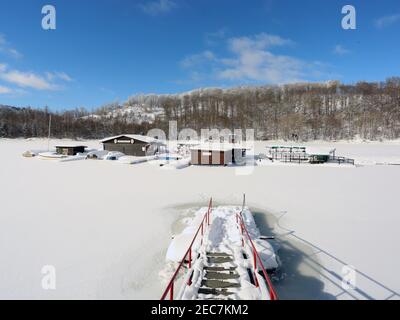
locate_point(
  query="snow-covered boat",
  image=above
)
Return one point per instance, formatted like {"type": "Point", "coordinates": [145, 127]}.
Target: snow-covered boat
{"type": "Point", "coordinates": [30, 153]}
{"type": "Point", "coordinates": [51, 155]}
{"type": "Point", "coordinates": [96, 154]}
{"type": "Point", "coordinates": [113, 155]}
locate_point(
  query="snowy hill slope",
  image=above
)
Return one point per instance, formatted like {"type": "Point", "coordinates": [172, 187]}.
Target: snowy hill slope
{"type": "Point", "coordinates": [137, 114]}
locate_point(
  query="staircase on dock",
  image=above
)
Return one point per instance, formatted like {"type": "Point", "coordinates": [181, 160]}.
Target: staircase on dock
{"type": "Point", "coordinates": [218, 279]}
{"type": "Point", "coordinates": [214, 274]}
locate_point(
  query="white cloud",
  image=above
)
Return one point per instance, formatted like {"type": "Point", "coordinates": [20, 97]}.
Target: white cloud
{"type": "Point", "coordinates": [48, 81]}
{"type": "Point", "coordinates": [387, 20]}
{"type": "Point", "coordinates": [51, 76]}
{"type": "Point", "coordinates": [340, 50]}
{"type": "Point", "coordinates": [252, 59]}
{"type": "Point", "coordinates": [32, 80]}
{"type": "Point", "coordinates": [4, 90]}
{"type": "Point", "coordinates": [263, 66]}
{"type": "Point", "coordinates": [64, 76]}
{"type": "Point", "coordinates": [212, 38]}
{"type": "Point", "coordinates": [7, 49]}
{"type": "Point", "coordinates": [158, 7]}
{"type": "Point", "coordinates": [196, 59]}
{"type": "Point", "coordinates": [27, 80]}
{"type": "Point", "coordinates": [258, 42]}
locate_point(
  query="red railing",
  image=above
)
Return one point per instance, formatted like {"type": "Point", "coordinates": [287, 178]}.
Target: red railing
{"type": "Point", "coordinates": [204, 223]}
{"type": "Point", "coordinates": [256, 258]}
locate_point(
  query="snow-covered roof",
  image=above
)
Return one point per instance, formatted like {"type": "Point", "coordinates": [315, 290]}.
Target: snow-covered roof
{"type": "Point", "coordinates": [139, 137]}
{"type": "Point", "coordinates": [284, 147]}
{"type": "Point", "coordinates": [320, 151]}
{"type": "Point", "coordinates": [70, 146]}
{"type": "Point", "coordinates": [218, 146]}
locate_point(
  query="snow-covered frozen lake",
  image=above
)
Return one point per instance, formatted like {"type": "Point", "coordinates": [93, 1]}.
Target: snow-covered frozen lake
{"type": "Point", "coordinates": [106, 226]}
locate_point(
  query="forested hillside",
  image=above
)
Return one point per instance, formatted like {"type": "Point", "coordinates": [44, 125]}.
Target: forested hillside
{"type": "Point", "coordinates": [306, 111]}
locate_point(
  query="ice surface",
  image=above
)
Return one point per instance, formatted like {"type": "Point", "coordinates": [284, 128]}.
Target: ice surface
{"type": "Point", "coordinates": [106, 227]}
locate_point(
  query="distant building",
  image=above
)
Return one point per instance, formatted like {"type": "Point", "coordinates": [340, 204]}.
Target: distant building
{"type": "Point", "coordinates": [302, 154]}
{"type": "Point", "coordinates": [320, 155]}
{"type": "Point", "coordinates": [70, 150]}
{"type": "Point", "coordinates": [287, 153]}
{"type": "Point", "coordinates": [133, 145]}
{"type": "Point", "coordinates": [217, 154]}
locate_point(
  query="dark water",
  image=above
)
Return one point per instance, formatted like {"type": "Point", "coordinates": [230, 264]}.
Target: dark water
{"type": "Point", "coordinates": [299, 276]}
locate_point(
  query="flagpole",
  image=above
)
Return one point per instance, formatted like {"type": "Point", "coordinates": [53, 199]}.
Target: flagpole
{"type": "Point", "coordinates": [48, 138]}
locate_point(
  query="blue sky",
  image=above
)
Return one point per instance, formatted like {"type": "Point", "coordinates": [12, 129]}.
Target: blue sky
{"type": "Point", "coordinates": [106, 50]}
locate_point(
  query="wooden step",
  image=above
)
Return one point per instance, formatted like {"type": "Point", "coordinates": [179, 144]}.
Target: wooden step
{"type": "Point", "coordinates": [212, 275]}
{"type": "Point", "coordinates": [218, 260]}
{"type": "Point", "coordinates": [207, 268]}
{"type": "Point", "coordinates": [218, 254]}
{"type": "Point", "coordinates": [219, 284]}
{"type": "Point", "coordinates": [215, 292]}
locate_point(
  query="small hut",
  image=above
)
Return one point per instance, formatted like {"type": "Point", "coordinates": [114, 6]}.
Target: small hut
{"type": "Point", "coordinates": [70, 150]}
{"type": "Point", "coordinates": [217, 154]}
{"type": "Point", "coordinates": [320, 155]}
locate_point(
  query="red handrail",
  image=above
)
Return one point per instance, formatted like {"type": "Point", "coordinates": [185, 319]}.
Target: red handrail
{"type": "Point", "coordinates": [170, 287]}
{"type": "Point", "coordinates": [256, 259]}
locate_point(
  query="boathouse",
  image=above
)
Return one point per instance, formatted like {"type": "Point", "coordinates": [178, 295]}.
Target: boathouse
{"type": "Point", "coordinates": [133, 145]}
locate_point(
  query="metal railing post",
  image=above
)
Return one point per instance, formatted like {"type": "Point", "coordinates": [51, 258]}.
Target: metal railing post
{"type": "Point", "coordinates": [209, 211]}
{"type": "Point", "coordinates": [257, 261]}
{"type": "Point", "coordinates": [203, 229]}
{"type": "Point", "coordinates": [255, 267]}
{"type": "Point", "coordinates": [190, 257]}
{"type": "Point", "coordinates": [202, 232]}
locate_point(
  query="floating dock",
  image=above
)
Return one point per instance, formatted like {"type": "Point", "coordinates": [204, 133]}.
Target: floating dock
{"type": "Point", "coordinates": [226, 258]}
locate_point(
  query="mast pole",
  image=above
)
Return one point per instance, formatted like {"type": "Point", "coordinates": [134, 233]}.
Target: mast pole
{"type": "Point", "coordinates": [48, 138]}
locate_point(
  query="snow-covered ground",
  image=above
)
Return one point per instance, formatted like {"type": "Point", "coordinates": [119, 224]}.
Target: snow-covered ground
{"type": "Point", "coordinates": [106, 227]}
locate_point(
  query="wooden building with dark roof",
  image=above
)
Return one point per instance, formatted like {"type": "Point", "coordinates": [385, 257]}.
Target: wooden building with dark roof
{"type": "Point", "coordinates": [132, 145]}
